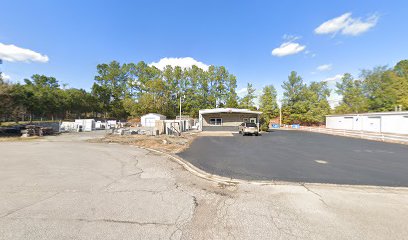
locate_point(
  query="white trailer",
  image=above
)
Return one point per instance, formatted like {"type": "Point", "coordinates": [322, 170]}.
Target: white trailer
{"type": "Point", "coordinates": [385, 122]}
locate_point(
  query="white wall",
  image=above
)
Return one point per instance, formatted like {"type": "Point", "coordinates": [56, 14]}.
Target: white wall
{"type": "Point", "coordinates": [395, 123]}
{"type": "Point", "coordinates": [340, 122]}
{"type": "Point", "coordinates": [390, 123]}
{"type": "Point", "coordinates": [87, 124]}
{"type": "Point", "coordinates": [149, 120]}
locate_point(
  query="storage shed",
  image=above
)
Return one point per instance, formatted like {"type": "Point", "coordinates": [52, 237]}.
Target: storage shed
{"type": "Point", "coordinates": [149, 119]}
{"type": "Point", "coordinates": [386, 122]}
{"type": "Point", "coordinates": [87, 125]}
{"type": "Point", "coordinates": [226, 119]}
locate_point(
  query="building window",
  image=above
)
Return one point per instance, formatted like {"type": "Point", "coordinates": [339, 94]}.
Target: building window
{"type": "Point", "coordinates": [216, 121]}
{"type": "Point", "coordinates": [245, 120]}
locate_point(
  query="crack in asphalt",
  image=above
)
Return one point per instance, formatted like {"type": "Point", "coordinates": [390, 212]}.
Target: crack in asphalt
{"type": "Point", "coordinates": [102, 220]}
{"type": "Point", "coordinates": [29, 205]}
{"type": "Point", "coordinates": [315, 193]}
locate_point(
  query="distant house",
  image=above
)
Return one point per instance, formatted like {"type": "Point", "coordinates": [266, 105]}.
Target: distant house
{"type": "Point", "coordinates": [226, 119]}
{"type": "Point", "coordinates": [386, 122]}
{"type": "Point", "coordinates": [149, 119]}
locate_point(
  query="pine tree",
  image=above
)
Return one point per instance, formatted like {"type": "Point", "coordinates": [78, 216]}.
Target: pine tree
{"type": "Point", "coordinates": [354, 100]}
{"type": "Point", "coordinates": [247, 101]}
{"type": "Point", "coordinates": [293, 102]}
{"type": "Point", "coordinates": [268, 105]}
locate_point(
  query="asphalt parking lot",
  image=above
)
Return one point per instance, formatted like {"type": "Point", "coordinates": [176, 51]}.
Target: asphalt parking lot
{"type": "Point", "coordinates": [302, 157]}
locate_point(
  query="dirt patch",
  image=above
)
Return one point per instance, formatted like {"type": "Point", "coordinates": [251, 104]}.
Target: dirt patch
{"type": "Point", "coordinates": [165, 143]}
{"type": "Point", "coordinates": [216, 134]}
{"type": "Point", "coordinates": [17, 139]}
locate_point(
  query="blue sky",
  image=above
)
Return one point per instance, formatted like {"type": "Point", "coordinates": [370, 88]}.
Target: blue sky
{"type": "Point", "coordinates": [67, 39]}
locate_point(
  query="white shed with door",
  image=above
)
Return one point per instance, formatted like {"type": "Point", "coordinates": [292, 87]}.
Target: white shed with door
{"type": "Point", "coordinates": [86, 125]}
{"type": "Point", "coordinates": [149, 119]}
{"type": "Point", "coordinates": [386, 122]}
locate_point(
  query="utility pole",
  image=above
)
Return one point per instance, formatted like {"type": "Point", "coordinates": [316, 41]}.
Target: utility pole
{"type": "Point", "coordinates": [180, 113]}
{"type": "Point", "coordinates": [280, 111]}
{"type": "Point", "coordinates": [280, 116]}
{"type": "Point", "coordinates": [180, 106]}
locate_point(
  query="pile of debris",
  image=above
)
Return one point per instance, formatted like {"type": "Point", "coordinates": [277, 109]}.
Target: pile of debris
{"type": "Point", "coordinates": [32, 130]}
{"type": "Point", "coordinates": [134, 131]}
{"type": "Point", "coordinates": [166, 143]}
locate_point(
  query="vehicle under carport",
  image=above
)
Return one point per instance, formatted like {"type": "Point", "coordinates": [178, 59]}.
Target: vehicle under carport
{"type": "Point", "coordinates": [226, 119]}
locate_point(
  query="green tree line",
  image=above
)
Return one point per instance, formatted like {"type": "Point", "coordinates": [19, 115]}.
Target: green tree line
{"type": "Point", "coordinates": [131, 90]}
{"type": "Point", "coordinates": [302, 103]}
{"type": "Point", "coordinates": [135, 89]}
{"type": "Point", "coordinates": [121, 91]}
{"type": "Point", "coordinates": [381, 89]}
{"type": "Point", "coordinates": [42, 97]}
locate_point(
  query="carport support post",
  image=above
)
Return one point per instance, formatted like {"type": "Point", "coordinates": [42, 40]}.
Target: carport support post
{"type": "Point", "coordinates": [257, 120]}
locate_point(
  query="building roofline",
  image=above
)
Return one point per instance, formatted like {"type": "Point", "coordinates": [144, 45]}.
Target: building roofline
{"type": "Point", "coordinates": [227, 110]}
{"type": "Point", "coordinates": [158, 114]}
{"type": "Point", "coordinates": [369, 114]}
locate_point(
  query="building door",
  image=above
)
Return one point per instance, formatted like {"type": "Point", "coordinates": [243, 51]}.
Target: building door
{"type": "Point", "coordinates": [348, 123]}
{"type": "Point", "coordinates": [373, 124]}
{"type": "Point", "coordinates": [150, 122]}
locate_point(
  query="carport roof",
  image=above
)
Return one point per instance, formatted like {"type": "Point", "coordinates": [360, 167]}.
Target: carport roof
{"type": "Point", "coordinates": [227, 110]}
{"type": "Point", "coordinates": [369, 114]}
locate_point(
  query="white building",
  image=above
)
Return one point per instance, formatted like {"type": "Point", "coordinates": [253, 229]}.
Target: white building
{"type": "Point", "coordinates": [87, 125]}
{"type": "Point", "coordinates": [149, 119]}
{"type": "Point", "coordinates": [386, 122]}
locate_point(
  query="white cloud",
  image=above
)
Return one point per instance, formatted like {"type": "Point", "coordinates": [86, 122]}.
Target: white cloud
{"type": "Point", "coordinates": [13, 53]}
{"type": "Point", "coordinates": [5, 76]}
{"type": "Point", "coordinates": [334, 78]}
{"type": "Point", "coordinates": [347, 25]}
{"type": "Point", "coordinates": [242, 90]}
{"type": "Point", "coordinates": [358, 26]}
{"type": "Point", "coordinates": [290, 38]}
{"type": "Point", "coordinates": [288, 48]}
{"type": "Point", "coordinates": [186, 62]}
{"type": "Point", "coordinates": [324, 67]}
{"type": "Point", "coordinates": [333, 25]}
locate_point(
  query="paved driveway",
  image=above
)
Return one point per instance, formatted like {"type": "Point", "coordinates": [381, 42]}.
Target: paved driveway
{"type": "Point", "coordinates": [302, 157]}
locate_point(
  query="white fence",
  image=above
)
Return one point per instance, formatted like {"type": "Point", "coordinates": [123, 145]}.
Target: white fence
{"type": "Point", "coordinates": [385, 137]}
